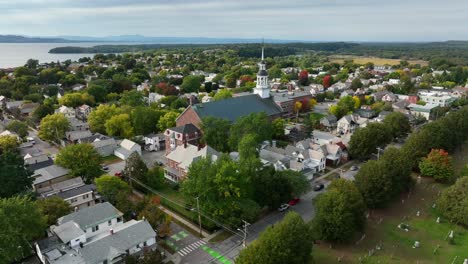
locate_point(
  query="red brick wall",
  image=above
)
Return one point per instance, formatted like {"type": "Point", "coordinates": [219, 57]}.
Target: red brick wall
{"type": "Point", "coordinates": [187, 117]}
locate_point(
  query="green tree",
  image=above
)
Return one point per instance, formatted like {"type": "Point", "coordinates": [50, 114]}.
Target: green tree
{"type": "Point", "coordinates": [21, 223]}
{"type": "Point", "coordinates": [222, 94]}
{"type": "Point", "coordinates": [110, 187]}
{"type": "Point", "coordinates": [18, 127]}
{"type": "Point", "coordinates": [99, 92]}
{"type": "Point", "coordinates": [397, 123]}
{"type": "Point", "coordinates": [15, 177]}
{"type": "Point", "coordinates": [120, 126]}
{"type": "Point", "coordinates": [97, 118]}
{"type": "Point", "coordinates": [453, 202]}
{"type": "Point", "coordinates": [288, 241]}
{"type": "Point", "coordinates": [132, 98]}
{"type": "Point", "coordinates": [145, 120]}
{"type": "Point", "coordinates": [135, 167]}
{"type": "Point", "coordinates": [344, 106]}
{"type": "Point", "coordinates": [191, 83]}
{"type": "Point", "coordinates": [53, 127]}
{"type": "Point", "coordinates": [375, 184]}
{"type": "Point", "coordinates": [339, 212]}
{"type": "Point", "coordinates": [53, 208]}
{"type": "Point", "coordinates": [228, 196]}
{"type": "Point", "coordinates": [438, 165]}
{"type": "Point", "coordinates": [279, 125]}
{"type": "Point", "coordinates": [215, 132]}
{"type": "Point", "coordinates": [82, 159]}
{"type": "Point", "coordinates": [8, 143]}
{"type": "Point", "coordinates": [256, 124]}
{"type": "Point", "coordinates": [76, 99]}
{"type": "Point", "coordinates": [365, 141]}
{"type": "Point", "coordinates": [42, 111]}
{"type": "Point", "coordinates": [154, 178]}
{"type": "Point", "coordinates": [168, 120]}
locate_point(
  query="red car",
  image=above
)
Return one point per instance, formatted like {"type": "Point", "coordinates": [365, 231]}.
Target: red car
{"type": "Point", "coordinates": [118, 174]}
{"type": "Point", "coordinates": [294, 201]}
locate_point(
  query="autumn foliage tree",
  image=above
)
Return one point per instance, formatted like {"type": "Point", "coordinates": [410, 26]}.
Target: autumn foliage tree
{"type": "Point", "coordinates": [326, 81]}
{"type": "Point", "coordinates": [438, 165]}
{"type": "Point", "coordinates": [304, 77]}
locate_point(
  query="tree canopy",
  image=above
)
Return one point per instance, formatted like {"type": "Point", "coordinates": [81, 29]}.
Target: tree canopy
{"type": "Point", "coordinates": [21, 222]}
{"type": "Point", "coordinates": [288, 241]}
{"type": "Point", "coordinates": [53, 127]}
{"type": "Point", "coordinates": [82, 159]}
{"type": "Point", "coordinates": [110, 187]}
{"type": "Point", "coordinates": [438, 165]}
{"type": "Point", "coordinates": [14, 176]}
{"type": "Point", "coordinates": [53, 208]}
{"type": "Point", "coordinates": [216, 132]}
{"type": "Point", "coordinates": [453, 201]}
{"type": "Point", "coordinates": [339, 212]}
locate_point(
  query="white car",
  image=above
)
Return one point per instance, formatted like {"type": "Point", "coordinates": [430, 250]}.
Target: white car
{"type": "Point", "coordinates": [283, 207]}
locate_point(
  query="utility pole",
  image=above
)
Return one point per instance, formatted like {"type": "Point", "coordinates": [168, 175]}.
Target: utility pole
{"type": "Point", "coordinates": [244, 232]}
{"type": "Point", "coordinates": [199, 216]}
{"type": "Point", "coordinates": [378, 153]}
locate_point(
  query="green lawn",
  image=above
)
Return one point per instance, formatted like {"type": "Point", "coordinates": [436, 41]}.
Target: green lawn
{"type": "Point", "coordinates": [110, 159]}
{"type": "Point", "coordinates": [223, 235]}
{"type": "Point", "coordinates": [397, 244]}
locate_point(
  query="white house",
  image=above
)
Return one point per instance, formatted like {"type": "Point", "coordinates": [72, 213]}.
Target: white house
{"type": "Point", "coordinates": [95, 235]}
{"type": "Point", "coordinates": [127, 147]}
{"type": "Point", "coordinates": [68, 112]}
{"type": "Point", "coordinates": [154, 142]}
{"type": "Point", "coordinates": [348, 123]}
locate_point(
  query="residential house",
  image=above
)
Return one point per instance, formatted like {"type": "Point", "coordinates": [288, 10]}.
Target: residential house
{"type": "Point", "coordinates": [95, 235]}
{"type": "Point", "coordinates": [62, 186]}
{"type": "Point", "coordinates": [348, 123]}
{"type": "Point", "coordinates": [394, 81]}
{"type": "Point", "coordinates": [77, 125]}
{"type": "Point", "coordinates": [105, 147]}
{"type": "Point", "coordinates": [366, 113]}
{"type": "Point", "coordinates": [80, 197]}
{"type": "Point", "coordinates": [73, 137]}
{"type": "Point", "coordinates": [127, 147]}
{"type": "Point", "coordinates": [154, 142]}
{"type": "Point", "coordinates": [422, 110]}
{"type": "Point", "coordinates": [348, 92]}
{"type": "Point", "coordinates": [68, 112]}
{"type": "Point", "coordinates": [329, 122]}
{"type": "Point", "coordinates": [45, 177]}
{"type": "Point", "coordinates": [154, 98]}
{"type": "Point", "coordinates": [37, 160]}
{"type": "Point", "coordinates": [180, 135]}
{"type": "Point", "coordinates": [401, 106]}
{"type": "Point", "coordinates": [179, 160]}
{"type": "Point", "coordinates": [83, 111]}
{"type": "Point", "coordinates": [27, 109]}
{"type": "Point", "coordinates": [438, 98]}
{"type": "Point", "coordinates": [77, 87]}
{"type": "Point", "coordinates": [389, 97]}
{"type": "Point", "coordinates": [9, 133]}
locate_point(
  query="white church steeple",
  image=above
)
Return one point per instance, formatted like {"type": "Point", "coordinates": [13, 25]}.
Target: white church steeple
{"type": "Point", "coordinates": [262, 88]}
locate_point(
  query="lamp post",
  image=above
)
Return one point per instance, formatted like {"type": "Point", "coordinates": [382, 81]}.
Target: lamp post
{"type": "Point", "coordinates": [244, 232]}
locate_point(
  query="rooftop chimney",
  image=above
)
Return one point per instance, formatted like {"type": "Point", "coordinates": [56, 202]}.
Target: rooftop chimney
{"type": "Point", "coordinates": [185, 140]}
{"type": "Point", "coordinates": [111, 231]}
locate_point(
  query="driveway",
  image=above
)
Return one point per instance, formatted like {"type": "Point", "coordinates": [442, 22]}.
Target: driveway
{"type": "Point", "coordinates": [151, 157]}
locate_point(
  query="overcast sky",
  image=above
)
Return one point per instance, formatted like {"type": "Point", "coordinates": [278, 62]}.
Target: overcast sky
{"type": "Point", "coordinates": [316, 20]}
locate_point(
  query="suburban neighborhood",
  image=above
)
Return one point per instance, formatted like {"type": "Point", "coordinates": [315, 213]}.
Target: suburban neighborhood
{"type": "Point", "coordinates": [199, 156]}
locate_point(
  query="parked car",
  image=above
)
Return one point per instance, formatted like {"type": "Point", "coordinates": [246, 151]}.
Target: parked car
{"type": "Point", "coordinates": [283, 207]}
{"type": "Point", "coordinates": [31, 140]}
{"type": "Point", "coordinates": [354, 168]}
{"type": "Point", "coordinates": [105, 168]}
{"type": "Point", "coordinates": [319, 187]}
{"type": "Point", "coordinates": [118, 174]}
{"type": "Point", "coordinates": [294, 201]}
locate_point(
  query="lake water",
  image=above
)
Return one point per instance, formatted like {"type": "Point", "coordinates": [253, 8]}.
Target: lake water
{"type": "Point", "coordinates": [16, 54]}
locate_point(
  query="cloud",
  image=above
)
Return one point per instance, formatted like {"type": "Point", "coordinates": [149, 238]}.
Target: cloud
{"type": "Point", "coordinates": [395, 20]}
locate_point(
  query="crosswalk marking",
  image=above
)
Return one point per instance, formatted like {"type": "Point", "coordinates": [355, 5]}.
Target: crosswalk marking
{"type": "Point", "coordinates": [195, 245]}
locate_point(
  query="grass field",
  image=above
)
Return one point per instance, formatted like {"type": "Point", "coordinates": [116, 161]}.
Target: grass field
{"type": "Point", "coordinates": [375, 60]}
{"type": "Point", "coordinates": [396, 244]}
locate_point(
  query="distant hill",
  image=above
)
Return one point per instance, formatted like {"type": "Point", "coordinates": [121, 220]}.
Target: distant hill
{"type": "Point", "coordinates": [23, 39]}
{"type": "Point", "coordinates": [171, 40]}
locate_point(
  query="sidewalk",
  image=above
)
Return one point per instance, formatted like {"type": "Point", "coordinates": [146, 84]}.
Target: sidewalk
{"type": "Point", "coordinates": [334, 170]}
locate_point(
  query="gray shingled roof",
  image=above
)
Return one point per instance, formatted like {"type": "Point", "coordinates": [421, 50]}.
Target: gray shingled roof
{"type": "Point", "coordinates": [186, 129]}
{"type": "Point", "coordinates": [77, 191]}
{"type": "Point", "coordinates": [93, 215]}
{"type": "Point", "coordinates": [233, 108]}
{"type": "Point", "coordinates": [125, 237]}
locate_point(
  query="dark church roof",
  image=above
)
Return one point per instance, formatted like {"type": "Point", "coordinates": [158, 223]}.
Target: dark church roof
{"type": "Point", "coordinates": [186, 129]}
{"type": "Point", "coordinates": [233, 108]}
{"type": "Point", "coordinates": [262, 73]}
